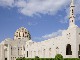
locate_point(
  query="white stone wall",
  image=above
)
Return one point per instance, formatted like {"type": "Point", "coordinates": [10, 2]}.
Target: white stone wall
{"type": "Point", "coordinates": [58, 45]}
{"type": "Point", "coordinates": [45, 49]}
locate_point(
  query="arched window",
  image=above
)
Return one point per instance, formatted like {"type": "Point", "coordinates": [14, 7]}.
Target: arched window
{"type": "Point", "coordinates": [68, 49]}
{"type": "Point", "coordinates": [23, 34]}
{"type": "Point", "coordinates": [49, 52]}
{"type": "Point", "coordinates": [18, 50]}
{"type": "Point", "coordinates": [19, 35]}
{"type": "Point", "coordinates": [72, 10]}
{"type": "Point", "coordinates": [11, 58]}
{"type": "Point", "coordinates": [39, 53]}
{"type": "Point", "coordinates": [11, 50]}
{"type": "Point", "coordinates": [79, 51]}
{"type": "Point", "coordinates": [27, 53]}
{"type": "Point", "coordinates": [31, 53]}
{"type": "Point", "coordinates": [34, 53]}
{"type": "Point", "coordinates": [57, 50]}
{"type": "Point", "coordinates": [44, 52]}
{"type": "Point", "coordinates": [79, 47]}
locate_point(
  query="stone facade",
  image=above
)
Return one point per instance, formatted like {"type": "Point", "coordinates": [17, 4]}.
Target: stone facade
{"type": "Point", "coordinates": [68, 44]}
{"type": "Point", "coordinates": [11, 49]}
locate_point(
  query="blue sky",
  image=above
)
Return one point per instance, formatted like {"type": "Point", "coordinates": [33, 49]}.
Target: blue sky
{"type": "Point", "coordinates": [43, 18]}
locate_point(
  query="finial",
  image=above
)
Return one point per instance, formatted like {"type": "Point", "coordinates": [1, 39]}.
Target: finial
{"type": "Point", "coordinates": [72, 2]}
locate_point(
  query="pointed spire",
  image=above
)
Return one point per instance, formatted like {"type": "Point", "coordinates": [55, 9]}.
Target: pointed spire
{"type": "Point", "coordinates": [72, 18]}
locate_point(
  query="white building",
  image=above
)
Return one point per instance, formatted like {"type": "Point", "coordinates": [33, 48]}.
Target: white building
{"type": "Point", "coordinates": [22, 46]}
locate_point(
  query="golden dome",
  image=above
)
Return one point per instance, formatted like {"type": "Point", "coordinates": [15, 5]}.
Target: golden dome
{"type": "Point", "coordinates": [22, 33]}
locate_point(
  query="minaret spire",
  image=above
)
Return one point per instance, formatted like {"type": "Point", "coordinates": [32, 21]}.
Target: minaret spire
{"type": "Point", "coordinates": [72, 17]}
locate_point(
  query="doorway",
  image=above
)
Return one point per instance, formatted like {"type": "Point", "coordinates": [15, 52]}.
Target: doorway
{"type": "Point", "coordinates": [27, 53]}
{"type": "Point", "coordinates": [79, 52]}
{"type": "Point", "coordinates": [68, 50]}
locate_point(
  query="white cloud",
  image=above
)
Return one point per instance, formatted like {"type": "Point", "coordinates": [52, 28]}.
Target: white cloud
{"type": "Point", "coordinates": [6, 3]}
{"type": "Point", "coordinates": [54, 34]}
{"type": "Point", "coordinates": [48, 36]}
{"type": "Point", "coordinates": [35, 7]}
{"type": "Point", "coordinates": [76, 11]}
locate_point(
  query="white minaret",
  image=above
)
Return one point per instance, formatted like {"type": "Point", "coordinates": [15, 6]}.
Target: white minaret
{"type": "Point", "coordinates": [72, 17]}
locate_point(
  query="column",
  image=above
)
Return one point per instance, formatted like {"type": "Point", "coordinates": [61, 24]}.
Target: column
{"type": "Point", "coordinates": [9, 52]}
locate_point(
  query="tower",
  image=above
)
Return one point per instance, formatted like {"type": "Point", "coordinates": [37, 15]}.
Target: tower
{"type": "Point", "coordinates": [72, 17]}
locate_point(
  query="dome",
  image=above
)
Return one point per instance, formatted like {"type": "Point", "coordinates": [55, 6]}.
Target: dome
{"type": "Point", "coordinates": [22, 33]}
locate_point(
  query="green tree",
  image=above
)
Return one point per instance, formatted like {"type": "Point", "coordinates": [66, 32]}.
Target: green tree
{"type": "Point", "coordinates": [58, 57]}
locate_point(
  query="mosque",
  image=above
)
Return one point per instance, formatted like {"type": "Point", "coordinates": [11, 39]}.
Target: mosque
{"type": "Point", "coordinates": [68, 44]}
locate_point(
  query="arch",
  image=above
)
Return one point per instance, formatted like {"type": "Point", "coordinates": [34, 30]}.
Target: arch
{"type": "Point", "coordinates": [27, 53]}
{"type": "Point", "coordinates": [68, 49]}
{"type": "Point", "coordinates": [11, 50]}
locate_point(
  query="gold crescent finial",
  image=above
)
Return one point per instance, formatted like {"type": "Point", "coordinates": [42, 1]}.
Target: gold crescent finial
{"type": "Point", "coordinates": [72, 1]}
